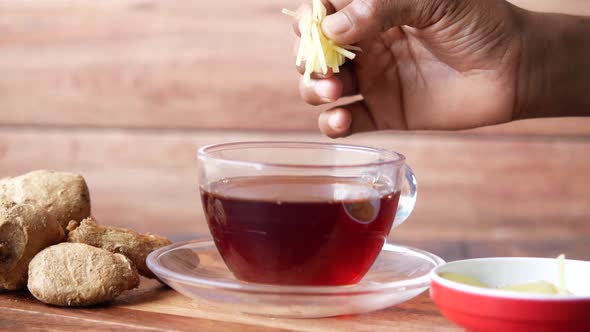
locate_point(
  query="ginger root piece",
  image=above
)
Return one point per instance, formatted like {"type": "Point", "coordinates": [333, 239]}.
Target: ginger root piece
{"type": "Point", "coordinates": [318, 51]}
{"type": "Point", "coordinates": [118, 240]}
{"type": "Point", "coordinates": [24, 231]}
{"type": "Point", "coordinates": [62, 195]}
{"type": "Point", "coordinates": [76, 274]}
{"type": "Point", "coordinates": [34, 211]}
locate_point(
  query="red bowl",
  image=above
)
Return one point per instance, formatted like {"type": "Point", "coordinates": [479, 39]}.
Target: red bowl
{"type": "Point", "coordinates": [489, 309]}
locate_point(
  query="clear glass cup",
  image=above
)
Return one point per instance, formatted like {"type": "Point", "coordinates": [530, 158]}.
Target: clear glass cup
{"type": "Point", "coordinates": [302, 213]}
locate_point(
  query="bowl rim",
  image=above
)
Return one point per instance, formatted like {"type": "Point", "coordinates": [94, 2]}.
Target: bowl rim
{"type": "Point", "coordinates": [422, 281]}
{"type": "Point", "coordinates": [498, 293]}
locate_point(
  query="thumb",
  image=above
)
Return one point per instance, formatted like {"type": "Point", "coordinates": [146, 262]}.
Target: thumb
{"type": "Point", "coordinates": [361, 19]}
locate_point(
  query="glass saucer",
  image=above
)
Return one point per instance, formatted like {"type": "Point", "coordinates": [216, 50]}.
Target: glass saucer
{"type": "Point", "coordinates": [196, 270]}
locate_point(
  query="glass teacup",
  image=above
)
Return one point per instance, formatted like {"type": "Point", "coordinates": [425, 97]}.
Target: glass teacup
{"type": "Point", "coordinates": [294, 213]}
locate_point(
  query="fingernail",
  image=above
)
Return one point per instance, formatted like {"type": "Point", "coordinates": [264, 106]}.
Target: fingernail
{"type": "Point", "coordinates": [322, 89]}
{"type": "Point", "coordinates": [337, 23]}
{"type": "Point", "coordinates": [334, 122]}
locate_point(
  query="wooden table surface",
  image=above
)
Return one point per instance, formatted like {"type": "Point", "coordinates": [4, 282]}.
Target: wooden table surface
{"type": "Point", "coordinates": [125, 91]}
{"type": "Point", "coordinates": [155, 307]}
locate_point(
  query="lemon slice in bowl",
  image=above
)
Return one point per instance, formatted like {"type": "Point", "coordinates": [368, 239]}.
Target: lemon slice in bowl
{"type": "Point", "coordinates": [463, 279]}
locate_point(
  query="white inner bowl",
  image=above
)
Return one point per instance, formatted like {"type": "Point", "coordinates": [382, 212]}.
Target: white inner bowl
{"type": "Point", "coordinates": [503, 271]}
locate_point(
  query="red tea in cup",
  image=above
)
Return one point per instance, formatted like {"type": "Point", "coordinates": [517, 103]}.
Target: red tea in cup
{"type": "Point", "coordinates": [297, 213]}
{"type": "Point", "coordinates": [299, 230]}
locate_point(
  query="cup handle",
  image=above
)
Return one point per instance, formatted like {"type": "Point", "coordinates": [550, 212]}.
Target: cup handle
{"type": "Point", "coordinates": [407, 199]}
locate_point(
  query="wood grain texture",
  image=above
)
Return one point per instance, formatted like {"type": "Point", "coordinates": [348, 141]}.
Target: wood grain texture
{"type": "Point", "coordinates": [470, 187]}
{"type": "Point", "coordinates": [157, 308]}
{"type": "Point", "coordinates": [148, 63]}
{"type": "Point", "coordinates": [115, 90]}
{"type": "Point", "coordinates": [20, 310]}
{"type": "Point", "coordinates": [418, 315]}
{"type": "Point", "coordinates": [169, 64]}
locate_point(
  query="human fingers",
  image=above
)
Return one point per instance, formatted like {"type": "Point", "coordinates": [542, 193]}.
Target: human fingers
{"type": "Point", "coordinates": [346, 120]}
{"type": "Point", "coordinates": [361, 19]}
{"type": "Point", "coordinates": [327, 90]}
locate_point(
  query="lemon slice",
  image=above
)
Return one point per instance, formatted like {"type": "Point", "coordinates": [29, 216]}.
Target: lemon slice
{"type": "Point", "coordinates": [463, 279]}
{"type": "Point", "coordinates": [537, 287]}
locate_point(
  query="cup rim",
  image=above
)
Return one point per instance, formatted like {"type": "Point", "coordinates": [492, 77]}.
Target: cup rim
{"type": "Point", "coordinates": [397, 159]}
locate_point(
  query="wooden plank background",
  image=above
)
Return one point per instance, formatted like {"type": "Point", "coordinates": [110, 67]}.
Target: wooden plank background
{"type": "Point", "coordinates": [472, 187]}
{"type": "Point", "coordinates": [125, 91]}
{"type": "Point", "coordinates": [169, 64]}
